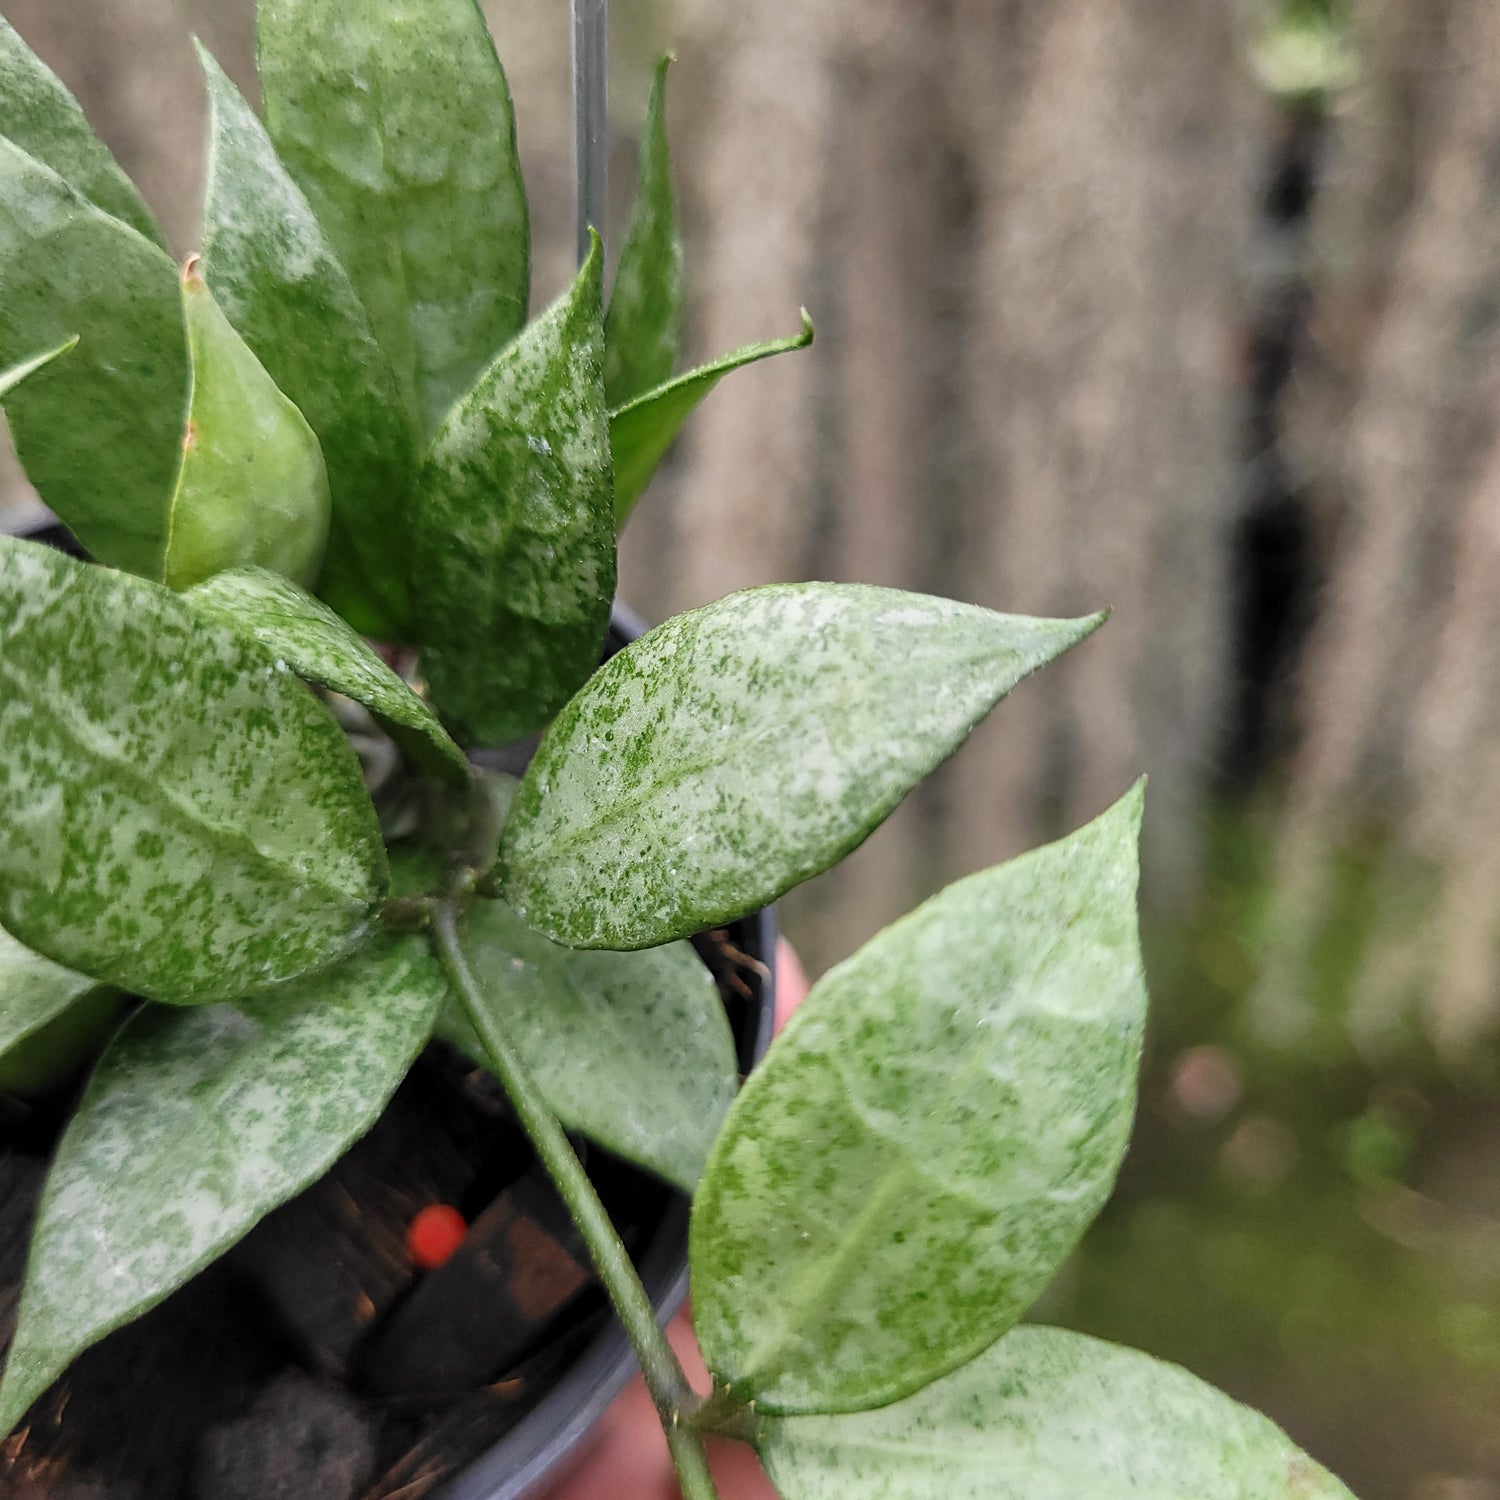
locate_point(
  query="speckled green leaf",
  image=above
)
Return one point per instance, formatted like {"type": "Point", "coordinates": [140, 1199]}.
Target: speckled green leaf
{"type": "Point", "coordinates": [739, 749]}
{"type": "Point", "coordinates": [515, 557]}
{"type": "Point", "coordinates": [194, 1126]}
{"type": "Point", "coordinates": [319, 647]}
{"type": "Point", "coordinates": [279, 281]}
{"type": "Point", "coordinates": [641, 432]}
{"type": "Point", "coordinates": [395, 117]}
{"type": "Point", "coordinates": [182, 817]}
{"type": "Point", "coordinates": [37, 1034]}
{"type": "Point", "coordinates": [632, 1049]}
{"type": "Point", "coordinates": [1047, 1415]}
{"type": "Point", "coordinates": [251, 488]}
{"type": "Point", "coordinates": [39, 114]}
{"type": "Point", "coordinates": [644, 323]}
{"type": "Point", "coordinates": [100, 432]}
{"type": "Point", "coordinates": [929, 1137]}
{"type": "Point", "coordinates": [11, 378]}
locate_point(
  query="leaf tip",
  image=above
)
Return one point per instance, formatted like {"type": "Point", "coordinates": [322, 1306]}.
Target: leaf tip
{"type": "Point", "coordinates": [809, 332]}
{"type": "Point", "coordinates": [591, 272]}
{"type": "Point", "coordinates": [1081, 627]}
{"type": "Point", "coordinates": [216, 81]}
{"type": "Point", "coordinates": [1126, 816]}
{"type": "Point", "coordinates": [1056, 637]}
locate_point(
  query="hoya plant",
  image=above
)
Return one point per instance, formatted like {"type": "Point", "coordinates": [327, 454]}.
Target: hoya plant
{"type": "Point", "coordinates": [336, 424]}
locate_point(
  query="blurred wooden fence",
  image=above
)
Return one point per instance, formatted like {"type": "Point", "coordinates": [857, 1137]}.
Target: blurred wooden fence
{"type": "Point", "coordinates": [1393, 422]}
{"type": "Point", "coordinates": [1022, 228]}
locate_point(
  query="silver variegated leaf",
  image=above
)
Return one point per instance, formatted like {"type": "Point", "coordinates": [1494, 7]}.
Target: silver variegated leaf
{"type": "Point", "coordinates": [194, 1126]}
{"type": "Point", "coordinates": [395, 118]}
{"type": "Point", "coordinates": [182, 817]}
{"type": "Point", "coordinates": [632, 1049]}
{"type": "Point", "coordinates": [741, 748]}
{"type": "Point", "coordinates": [932, 1133]}
{"type": "Point", "coordinates": [280, 282]}
{"type": "Point", "coordinates": [1047, 1415]}
{"type": "Point", "coordinates": [515, 557]}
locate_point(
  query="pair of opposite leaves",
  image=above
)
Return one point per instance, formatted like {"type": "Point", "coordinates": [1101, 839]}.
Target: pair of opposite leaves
{"type": "Point", "coordinates": [467, 496]}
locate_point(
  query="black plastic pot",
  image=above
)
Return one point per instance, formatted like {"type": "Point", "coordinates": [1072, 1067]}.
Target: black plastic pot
{"type": "Point", "coordinates": [553, 1435]}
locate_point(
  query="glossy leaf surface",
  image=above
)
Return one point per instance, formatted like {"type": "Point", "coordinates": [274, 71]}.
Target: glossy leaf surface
{"type": "Point", "coordinates": [739, 749]}
{"type": "Point", "coordinates": [515, 560]}
{"type": "Point", "coordinates": [251, 489]}
{"type": "Point", "coordinates": [281, 284]}
{"type": "Point", "coordinates": [632, 1049]}
{"type": "Point", "coordinates": [182, 818]}
{"type": "Point", "coordinates": [1047, 1415]}
{"type": "Point", "coordinates": [395, 118]}
{"type": "Point", "coordinates": [319, 647]}
{"type": "Point", "coordinates": [70, 269]}
{"type": "Point", "coordinates": [929, 1137]}
{"type": "Point", "coordinates": [35, 996]}
{"type": "Point", "coordinates": [39, 114]}
{"type": "Point", "coordinates": [194, 1126]}
{"type": "Point", "coordinates": [641, 432]}
{"type": "Point", "coordinates": [11, 378]}
{"type": "Point", "coordinates": [644, 323]}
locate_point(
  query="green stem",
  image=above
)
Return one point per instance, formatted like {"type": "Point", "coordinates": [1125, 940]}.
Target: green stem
{"type": "Point", "coordinates": [669, 1387]}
